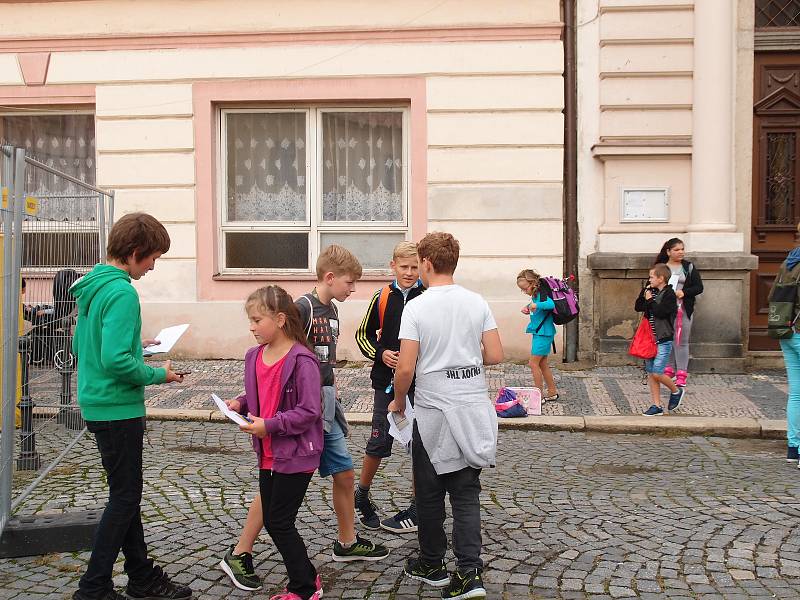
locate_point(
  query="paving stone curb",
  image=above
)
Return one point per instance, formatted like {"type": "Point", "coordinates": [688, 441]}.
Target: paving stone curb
{"type": "Point", "coordinates": [667, 425]}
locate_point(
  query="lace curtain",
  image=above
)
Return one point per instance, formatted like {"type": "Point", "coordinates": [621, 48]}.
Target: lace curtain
{"type": "Point", "coordinates": [362, 166]}
{"type": "Point", "coordinates": [266, 166]}
{"type": "Point", "coordinates": [66, 143]}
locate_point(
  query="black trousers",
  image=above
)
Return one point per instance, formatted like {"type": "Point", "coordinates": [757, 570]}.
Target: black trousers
{"type": "Point", "coordinates": [120, 528]}
{"type": "Point", "coordinates": [281, 498]}
{"type": "Point", "coordinates": [464, 488]}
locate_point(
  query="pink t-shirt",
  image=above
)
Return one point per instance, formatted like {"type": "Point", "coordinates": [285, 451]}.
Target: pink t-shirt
{"type": "Point", "coordinates": [269, 397]}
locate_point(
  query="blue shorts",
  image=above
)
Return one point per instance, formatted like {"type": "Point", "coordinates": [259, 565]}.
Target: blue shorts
{"type": "Point", "coordinates": [335, 456]}
{"type": "Point", "coordinates": [541, 345]}
{"type": "Point", "coordinates": [659, 363]}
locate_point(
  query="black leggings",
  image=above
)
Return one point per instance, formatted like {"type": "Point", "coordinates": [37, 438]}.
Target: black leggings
{"type": "Point", "coordinates": [281, 498]}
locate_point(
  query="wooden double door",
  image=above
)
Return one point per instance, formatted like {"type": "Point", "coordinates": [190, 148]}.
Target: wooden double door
{"type": "Point", "coordinates": [776, 209]}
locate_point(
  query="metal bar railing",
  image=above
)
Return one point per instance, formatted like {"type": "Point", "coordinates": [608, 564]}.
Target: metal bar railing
{"type": "Point", "coordinates": [27, 491]}
{"type": "Point", "coordinates": [9, 391]}
{"type": "Point", "coordinates": [75, 180]}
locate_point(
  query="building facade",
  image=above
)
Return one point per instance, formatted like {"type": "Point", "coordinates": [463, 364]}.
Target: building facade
{"type": "Point", "coordinates": [259, 132]}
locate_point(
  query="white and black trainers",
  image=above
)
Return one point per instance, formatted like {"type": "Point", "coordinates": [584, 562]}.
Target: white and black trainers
{"type": "Point", "coordinates": [403, 522]}
{"type": "Point", "coordinates": [366, 510]}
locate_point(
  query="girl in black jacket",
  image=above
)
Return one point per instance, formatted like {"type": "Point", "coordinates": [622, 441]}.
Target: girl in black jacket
{"type": "Point", "coordinates": [659, 304]}
{"type": "Point", "coordinates": [685, 280]}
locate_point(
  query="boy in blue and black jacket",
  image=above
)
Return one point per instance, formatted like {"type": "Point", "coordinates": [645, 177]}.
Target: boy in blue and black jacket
{"type": "Point", "coordinates": [377, 338]}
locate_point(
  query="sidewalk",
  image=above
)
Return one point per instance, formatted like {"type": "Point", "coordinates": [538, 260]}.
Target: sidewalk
{"type": "Point", "coordinates": [605, 399]}
{"type": "Point", "coordinates": [602, 391]}
{"type": "Point", "coordinates": [608, 399]}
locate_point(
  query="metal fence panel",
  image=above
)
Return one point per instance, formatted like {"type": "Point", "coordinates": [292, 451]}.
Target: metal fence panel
{"type": "Point", "coordinates": [57, 234]}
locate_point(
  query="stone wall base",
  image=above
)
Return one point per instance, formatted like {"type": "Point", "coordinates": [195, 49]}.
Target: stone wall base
{"type": "Point", "coordinates": [719, 330]}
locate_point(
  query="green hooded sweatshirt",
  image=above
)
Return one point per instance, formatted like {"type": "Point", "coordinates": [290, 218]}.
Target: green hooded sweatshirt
{"type": "Point", "coordinates": [108, 344]}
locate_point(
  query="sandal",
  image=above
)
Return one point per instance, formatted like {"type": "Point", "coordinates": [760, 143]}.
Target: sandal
{"type": "Point", "coordinates": [550, 398]}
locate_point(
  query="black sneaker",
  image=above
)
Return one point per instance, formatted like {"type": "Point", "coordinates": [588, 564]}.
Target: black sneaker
{"type": "Point", "coordinates": [465, 584]}
{"type": "Point", "coordinates": [239, 567]}
{"type": "Point", "coordinates": [403, 522]}
{"type": "Point", "coordinates": [367, 511]}
{"type": "Point", "coordinates": [435, 575]}
{"type": "Point", "coordinates": [676, 399]}
{"type": "Point", "coordinates": [361, 549]}
{"type": "Point", "coordinates": [110, 595]}
{"type": "Point", "coordinates": [791, 454]}
{"type": "Point", "coordinates": [159, 588]}
{"type": "Point", "coordinates": [653, 411]}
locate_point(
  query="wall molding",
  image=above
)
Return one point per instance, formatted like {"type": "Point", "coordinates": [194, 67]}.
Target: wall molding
{"type": "Point", "coordinates": [82, 43]}
{"type": "Point", "coordinates": [776, 40]}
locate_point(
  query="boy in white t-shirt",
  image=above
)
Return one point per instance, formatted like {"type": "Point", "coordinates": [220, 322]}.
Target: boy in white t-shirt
{"type": "Point", "coordinates": [447, 335]}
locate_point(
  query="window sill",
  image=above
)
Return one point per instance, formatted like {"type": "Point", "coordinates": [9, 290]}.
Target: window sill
{"type": "Point", "coordinates": [374, 276]}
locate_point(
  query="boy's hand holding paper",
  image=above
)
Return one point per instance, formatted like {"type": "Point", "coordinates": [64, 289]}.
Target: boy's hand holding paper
{"type": "Point", "coordinates": [166, 339]}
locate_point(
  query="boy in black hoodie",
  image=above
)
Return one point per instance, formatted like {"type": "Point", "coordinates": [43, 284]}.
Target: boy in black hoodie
{"type": "Point", "coordinates": [659, 304]}
{"type": "Point", "coordinates": [377, 340]}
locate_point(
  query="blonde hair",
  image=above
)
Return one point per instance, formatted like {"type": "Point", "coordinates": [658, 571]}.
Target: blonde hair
{"type": "Point", "coordinates": [273, 299]}
{"type": "Point", "coordinates": [442, 250]}
{"type": "Point", "coordinates": [338, 260]}
{"type": "Point", "coordinates": [404, 250]}
{"type": "Point", "coordinates": [531, 276]}
{"type": "Point", "coordinates": [661, 270]}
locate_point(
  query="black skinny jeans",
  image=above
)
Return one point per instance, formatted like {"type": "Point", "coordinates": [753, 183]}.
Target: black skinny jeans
{"type": "Point", "coordinates": [120, 528]}
{"type": "Point", "coordinates": [281, 497]}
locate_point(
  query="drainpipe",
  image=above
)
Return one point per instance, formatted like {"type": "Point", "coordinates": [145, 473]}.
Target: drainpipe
{"type": "Point", "coordinates": [570, 171]}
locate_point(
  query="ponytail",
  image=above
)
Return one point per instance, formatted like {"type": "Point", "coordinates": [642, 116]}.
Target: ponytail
{"type": "Point", "coordinates": [663, 257]}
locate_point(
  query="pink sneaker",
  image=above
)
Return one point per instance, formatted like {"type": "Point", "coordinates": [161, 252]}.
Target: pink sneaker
{"type": "Point", "coordinates": [680, 378]}
{"type": "Point", "coordinates": [287, 595]}
{"type": "Point", "coordinates": [669, 372]}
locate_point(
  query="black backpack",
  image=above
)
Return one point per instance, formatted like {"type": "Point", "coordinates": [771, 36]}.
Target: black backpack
{"type": "Point", "coordinates": [782, 309]}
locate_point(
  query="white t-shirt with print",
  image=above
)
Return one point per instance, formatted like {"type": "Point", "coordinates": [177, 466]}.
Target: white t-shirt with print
{"type": "Point", "coordinates": [448, 321]}
{"type": "Point", "coordinates": [456, 420]}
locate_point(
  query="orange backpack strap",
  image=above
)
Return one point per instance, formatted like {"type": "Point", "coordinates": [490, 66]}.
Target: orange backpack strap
{"type": "Point", "coordinates": [382, 302]}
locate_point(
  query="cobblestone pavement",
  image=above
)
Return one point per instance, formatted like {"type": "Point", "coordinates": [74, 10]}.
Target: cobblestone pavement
{"type": "Point", "coordinates": [599, 391]}
{"type": "Point", "coordinates": [564, 516]}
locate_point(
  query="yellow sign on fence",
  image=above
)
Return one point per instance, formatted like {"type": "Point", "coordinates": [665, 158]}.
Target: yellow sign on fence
{"type": "Point", "coordinates": [31, 203]}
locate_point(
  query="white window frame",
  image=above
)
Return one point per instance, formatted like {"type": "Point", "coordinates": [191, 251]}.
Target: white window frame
{"type": "Point", "coordinates": [313, 225]}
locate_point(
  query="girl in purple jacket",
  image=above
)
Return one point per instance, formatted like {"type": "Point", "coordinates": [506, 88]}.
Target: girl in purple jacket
{"type": "Point", "coordinates": [282, 399]}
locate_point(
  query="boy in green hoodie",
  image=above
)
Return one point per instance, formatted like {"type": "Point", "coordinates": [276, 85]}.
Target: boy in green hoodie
{"type": "Point", "coordinates": [111, 380]}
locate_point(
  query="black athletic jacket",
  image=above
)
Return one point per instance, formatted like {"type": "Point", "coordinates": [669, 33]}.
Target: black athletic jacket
{"type": "Point", "coordinates": [367, 333]}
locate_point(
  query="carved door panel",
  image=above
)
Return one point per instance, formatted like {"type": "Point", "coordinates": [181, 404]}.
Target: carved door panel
{"type": "Point", "coordinates": [776, 210]}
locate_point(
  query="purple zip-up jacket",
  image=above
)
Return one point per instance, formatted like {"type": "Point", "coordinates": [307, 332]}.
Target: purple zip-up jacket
{"type": "Point", "coordinates": [296, 429]}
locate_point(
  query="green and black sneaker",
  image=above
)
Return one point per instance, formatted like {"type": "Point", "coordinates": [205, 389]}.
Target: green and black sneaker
{"type": "Point", "coordinates": [239, 568]}
{"type": "Point", "coordinates": [361, 549]}
{"type": "Point", "coordinates": [432, 574]}
{"type": "Point", "coordinates": [465, 584]}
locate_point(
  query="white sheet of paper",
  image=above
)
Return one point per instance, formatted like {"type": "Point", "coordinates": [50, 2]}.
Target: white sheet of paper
{"type": "Point", "coordinates": [402, 428]}
{"type": "Point", "coordinates": [168, 337]}
{"type": "Point", "coordinates": [233, 416]}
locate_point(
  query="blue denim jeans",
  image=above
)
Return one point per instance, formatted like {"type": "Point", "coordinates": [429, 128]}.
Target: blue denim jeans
{"type": "Point", "coordinates": [658, 363]}
{"type": "Point", "coordinates": [791, 357]}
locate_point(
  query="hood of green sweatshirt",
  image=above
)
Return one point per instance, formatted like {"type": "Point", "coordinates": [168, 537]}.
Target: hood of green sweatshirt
{"type": "Point", "coordinates": [85, 289]}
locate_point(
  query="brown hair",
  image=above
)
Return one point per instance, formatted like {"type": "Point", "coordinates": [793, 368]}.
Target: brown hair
{"type": "Point", "coordinates": [531, 276]}
{"type": "Point", "coordinates": [338, 260]}
{"type": "Point", "coordinates": [441, 249]}
{"type": "Point", "coordinates": [136, 235]}
{"type": "Point", "coordinates": [273, 299]}
{"type": "Point", "coordinates": [661, 270]}
{"type": "Point", "coordinates": [404, 250]}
